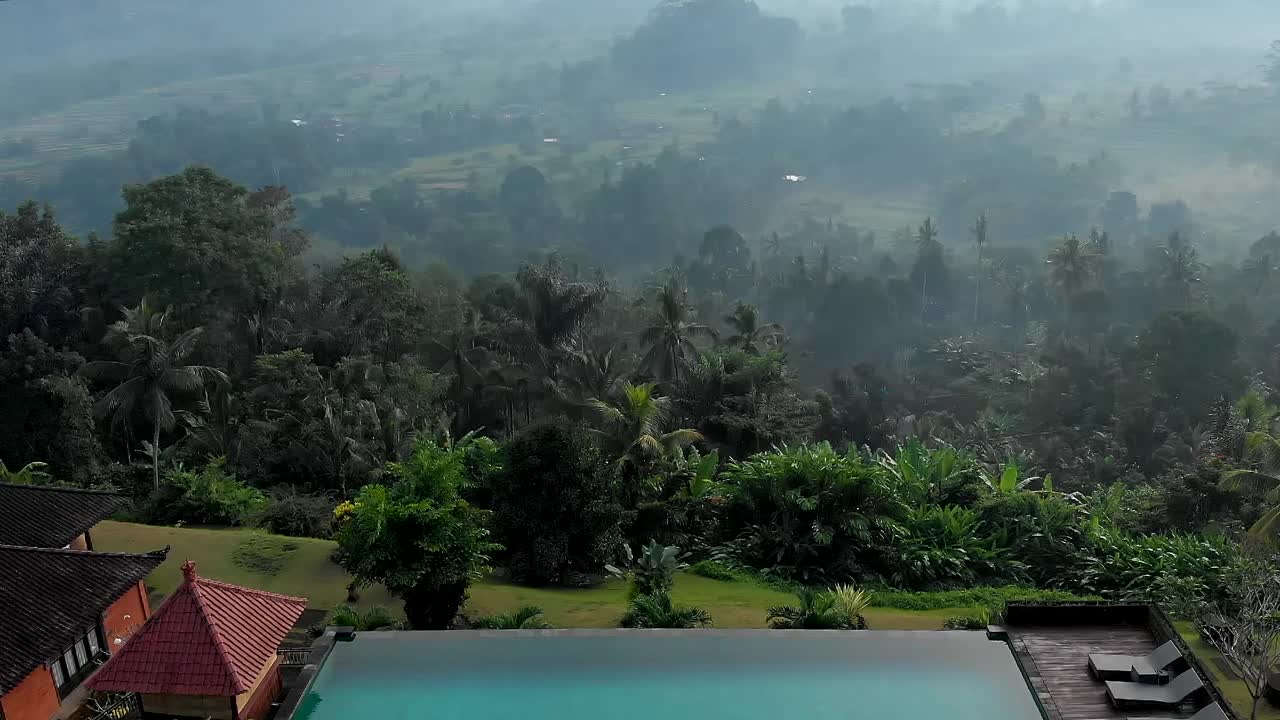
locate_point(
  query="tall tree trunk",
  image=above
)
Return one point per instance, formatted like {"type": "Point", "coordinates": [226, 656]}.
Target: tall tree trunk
{"type": "Point", "coordinates": [924, 295]}
{"type": "Point", "coordinates": [155, 456]}
{"type": "Point", "coordinates": [977, 289]}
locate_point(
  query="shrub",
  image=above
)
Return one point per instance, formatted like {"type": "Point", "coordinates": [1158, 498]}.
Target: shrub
{"type": "Point", "coordinates": [852, 602]}
{"type": "Point", "coordinates": [526, 618]}
{"type": "Point", "coordinates": [653, 572]}
{"type": "Point", "coordinates": [657, 611]}
{"type": "Point", "coordinates": [816, 610]}
{"type": "Point", "coordinates": [977, 621]}
{"type": "Point", "coordinates": [555, 505]}
{"type": "Point", "coordinates": [1142, 567]}
{"type": "Point", "coordinates": [132, 480]}
{"type": "Point", "coordinates": [1040, 530]}
{"type": "Point", "coordinates": [375, 618]}
{"type": "Point", "coordinates": [718, 571]}
{"type": "Point", "coordinates": [809, 513]}
{"type": "Point", "coordinates": [979, 596]}
{"type": "Point", "coordinates": [263, 554]}
{"type": "Point", "coordinates": [289, 512]}
{"type": "Point", "coordinates": [418, 537]}
{"type": "Point", "coordinates": [210, 496]}
{"type": "Point", "coordinates": [945, 545]}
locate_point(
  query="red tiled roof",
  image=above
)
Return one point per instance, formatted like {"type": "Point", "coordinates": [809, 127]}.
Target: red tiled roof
{"type": "Point", "coordinates": [208, 638]}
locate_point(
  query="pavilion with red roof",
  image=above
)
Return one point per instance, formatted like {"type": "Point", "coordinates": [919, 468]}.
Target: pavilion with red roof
{"type": "Point", "coordinates": [209, 651]}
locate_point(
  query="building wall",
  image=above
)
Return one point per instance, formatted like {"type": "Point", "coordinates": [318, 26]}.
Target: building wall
{"type": "Point", "coordinates": [187, 706]}
{"type": "Point", "coordinates": [255, 703]}
{"type": "Point", "coordinates": [80, 543]}
{"type": "Point", "coordinates": [125, 616]}
{"type": "Point", "coordinates": [35, 698]}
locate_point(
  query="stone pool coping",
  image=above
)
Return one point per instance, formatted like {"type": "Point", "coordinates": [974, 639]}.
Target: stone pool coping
{"type": "Point", "coordinates": [319, 652]}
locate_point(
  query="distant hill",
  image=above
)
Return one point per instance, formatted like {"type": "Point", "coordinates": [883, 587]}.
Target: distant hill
{"type": "Point", "coordinates": [37, 33]}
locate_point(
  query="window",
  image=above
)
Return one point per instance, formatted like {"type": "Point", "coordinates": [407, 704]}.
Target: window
{"type": "Point", "coordinates": [76, 662]}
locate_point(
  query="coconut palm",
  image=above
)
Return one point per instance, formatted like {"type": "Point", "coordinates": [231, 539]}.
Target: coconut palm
{"type": "Point", "coordinates": [463, 356]}
{"type": "Point", "coordinates": [1072, 264]}
{"type": "Point", "coordinates": [1262, 450]}
{"type": "Point", "coordinates": [591, 373]}
{"type": "Point", "coordinates": [928, 250]}
{"type": "Point", "coordinates": [775, 247]}
{"type": "Point", "coordinates": [635, 423]}
{"type": "Point", "coordinates": [1180, 272]}
{"type": "Point", "coordinates": [670, 334]}
{"type": "Point", "coordinates": [748, 332]}
{"type": "Point", "coordinates": [150, 377]}
{"type": "Point", "coordinates": [556, 307]}
{"type": "Point", "coordinates": [980, 239]}
{"type": "Point", "coordinates": [1260, 270]}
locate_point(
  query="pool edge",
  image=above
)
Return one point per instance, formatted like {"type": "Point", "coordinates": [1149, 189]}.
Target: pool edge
{"type": "Point", "coordinates": [320, 650]}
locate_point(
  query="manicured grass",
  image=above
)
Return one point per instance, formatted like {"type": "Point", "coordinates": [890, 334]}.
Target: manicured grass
{"type": "Point", "coordinates": [300, 566]}
{"type": "Point", "coordinates": [244, 557]}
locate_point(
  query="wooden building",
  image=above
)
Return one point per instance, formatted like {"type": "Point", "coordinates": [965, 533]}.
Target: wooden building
{"type": "Point", "coordinates": [209, 651]}
{"type": "Point", "coordinates": [64, 611]}
{"type": "Point", "coordinates": [53, 517]}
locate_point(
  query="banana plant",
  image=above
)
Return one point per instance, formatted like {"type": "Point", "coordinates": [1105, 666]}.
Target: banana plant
{"type": "Point", "coordinates": [1009, 480]}
{"type": "Point", "coordinates": [33, 473]}
{"type": "Point", "coordinates": [653, 571]}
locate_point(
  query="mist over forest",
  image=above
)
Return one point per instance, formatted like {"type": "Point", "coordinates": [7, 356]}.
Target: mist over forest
{"type": "Point", "coordinates": [1040, 232]}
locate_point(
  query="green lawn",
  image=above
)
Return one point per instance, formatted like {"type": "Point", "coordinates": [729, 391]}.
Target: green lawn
{"type": "Point", "coordinates": [300, 566]}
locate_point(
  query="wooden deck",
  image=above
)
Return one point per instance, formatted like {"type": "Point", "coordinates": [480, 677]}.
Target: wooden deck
{"type": "Point", "coordinates": [1056, 661]}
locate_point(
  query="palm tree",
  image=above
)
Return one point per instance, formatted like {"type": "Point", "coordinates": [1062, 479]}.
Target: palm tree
{"type": "Point", "coordinates": [1072, 264]}
{"type": "Point", "coordinates": [927, 248]}
{"type": "Point", "coordinates": [555, 306]}
{"type": "Point", "coordinates": [1261, 269]}
{"type": "Point", "coordinates": [670, 334]}
{"type": "Point", "coordinates": [462, 356]}
{"type": "Point", "coordinates": [150, 376]}
{"type": "Point", "coordinates": [635, 422]}
{"type": "Point", "coordinates": [526, 618]}
{"type": "Point", "coordinates": [1180, 272]}
{"type": "Point", "coordinates": [1262, 449]}
{"type": "Point", "coordinates": [980, 239]}
{"type": "Point", "coordinates": [748, 331]}
{"type": "Point", "coordinates": [775, 247]}
{"type": "Point", "coordinates": [590, 373]}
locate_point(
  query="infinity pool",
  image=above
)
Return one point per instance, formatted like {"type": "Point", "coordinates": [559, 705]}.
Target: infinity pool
{"type": "Point", "coordinates": [684, 675]}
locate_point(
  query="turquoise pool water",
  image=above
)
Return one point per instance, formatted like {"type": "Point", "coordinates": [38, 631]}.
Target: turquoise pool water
{"type": "Point", "coordinates": [738, 675]}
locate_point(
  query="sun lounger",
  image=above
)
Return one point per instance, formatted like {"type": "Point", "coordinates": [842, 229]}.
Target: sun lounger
{"type": "Point", "coordinates": [1122, 694]}
{"type": "Point", "coordinates": [1140, 668]}
{"type": "Point", "coordinates": [1210, 712]}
